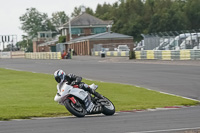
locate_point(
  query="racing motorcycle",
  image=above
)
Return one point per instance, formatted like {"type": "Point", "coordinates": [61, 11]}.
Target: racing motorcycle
{"type": "Point", "coordinates": [80, 102]}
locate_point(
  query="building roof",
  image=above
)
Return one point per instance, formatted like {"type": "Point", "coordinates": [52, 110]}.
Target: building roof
{"type": "Point", "coordinates": [86, 19]}
{"type": "Point", "coordinates": [101, 36]}
{"type": "Point", "coordinates": [52, 42]}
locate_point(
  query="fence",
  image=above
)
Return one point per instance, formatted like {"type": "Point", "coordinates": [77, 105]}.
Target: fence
{"type": "Point", "coordinates": [12, 54]}
{"type": "Point", "coordinates": [168, 54]}
{"type": "Point", "coordinates": [43, 55]}
{"type": "Point", "coordinates": [170, 40]}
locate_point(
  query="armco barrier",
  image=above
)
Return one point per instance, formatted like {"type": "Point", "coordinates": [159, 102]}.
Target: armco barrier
{"type": "Point", "coordinates": [18, 54]}
{"type": "Point", "coordinates": [168, 54]}
{"type": "Point", "coordinates": [12, 54]}
{"type": "Point", "coordinates": [112, 53]}
{"type": "Point", "coordinates": [43, 55]}
{"type": "Point", "coordinates": [5, 55]}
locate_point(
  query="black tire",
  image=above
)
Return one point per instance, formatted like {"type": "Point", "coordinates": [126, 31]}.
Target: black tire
{"type": "Point", "coordinates": [77, 111]}
{"type": "Point", "coordinates": [109, 109]}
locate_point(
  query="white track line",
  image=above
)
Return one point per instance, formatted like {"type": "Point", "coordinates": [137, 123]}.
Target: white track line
{"type": "Point", "coordinates": [25, 71]}
{"type": "Point", "coordinates": [171, 94]}
{"type": "Point", "coordinates": [179, 96]}
{"type": "Point", "coordinates": [122, 83]}
{"type": "Point", "coordinates": [167, 130]}
{"type": "Point", "coordinates": [13, 69]}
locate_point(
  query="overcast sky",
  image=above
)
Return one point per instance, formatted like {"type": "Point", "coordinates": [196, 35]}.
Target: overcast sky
{"type": "Point", "coordinates": [11, 10]}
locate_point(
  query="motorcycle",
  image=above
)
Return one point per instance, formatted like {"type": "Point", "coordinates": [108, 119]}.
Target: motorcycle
{"type": "Point", "coordinates": [80, 103]}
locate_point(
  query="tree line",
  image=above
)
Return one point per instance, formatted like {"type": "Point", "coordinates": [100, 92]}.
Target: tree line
{"type": "Point", "coordinates": [130, 17]}
{"type": "Point", "coordinates": [133, 17]}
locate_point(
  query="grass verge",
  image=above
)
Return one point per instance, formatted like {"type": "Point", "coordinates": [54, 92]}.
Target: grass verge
{"type": "Point", "coordinates": [25, 94]}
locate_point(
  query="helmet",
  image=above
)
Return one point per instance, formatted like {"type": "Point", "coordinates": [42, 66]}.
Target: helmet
{"type": "Point", "coordinates": [59, 75]}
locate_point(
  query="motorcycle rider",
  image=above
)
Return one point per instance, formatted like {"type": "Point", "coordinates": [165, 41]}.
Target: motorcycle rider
{"type": "Point", "coordinates": [72, 79]}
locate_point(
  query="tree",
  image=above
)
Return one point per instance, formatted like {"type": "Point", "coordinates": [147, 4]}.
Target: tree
{"type": "Point", "coordinates": [89, 11]}
{"type": "Point", "coordinates": [169, 17]}
{"type": "Point", "coordinates": [192, 10]}
{"type": "Point", "coordinates": [131, 17]}
{"type": "Point", "coordinates": [104, 11]}
{"type": "Point", "coordinates": [59, 18]}
{"type": "Point", "coordinates": [77, 11]}
{"type": "Point", "coordinates": [33, 21]}
{"type": "Point", "coordinates": [26, 44]}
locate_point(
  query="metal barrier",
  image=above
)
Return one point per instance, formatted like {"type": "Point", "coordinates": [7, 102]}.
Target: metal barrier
{"type": "Point", "coordinates": [43, 55]}
{"type": "Point", "coordinates": [5, 55]}
{"type": "Point", "coordinates": [168, 54]}
{"type": "Point", "coordinates": [12, 54]}
{"type": "Point", "coordinates": [112, 53]}
{"type": "Point", "coordinates": [18, 54]}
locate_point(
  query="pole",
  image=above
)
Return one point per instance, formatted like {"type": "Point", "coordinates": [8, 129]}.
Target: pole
{"type": "Point", "coordinates": [70, 34]}
{"type": "Point", "coordinates": [3, 46]}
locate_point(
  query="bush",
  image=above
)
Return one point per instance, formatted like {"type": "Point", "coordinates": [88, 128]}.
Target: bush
{"type": "Point", "coordinates": [132, 55]}
{"type": "Point", "coordinates": [62, 39]}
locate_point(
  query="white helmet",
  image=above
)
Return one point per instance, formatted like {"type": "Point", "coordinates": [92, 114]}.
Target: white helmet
{"type": "Point", "coordinates": [59, 76]}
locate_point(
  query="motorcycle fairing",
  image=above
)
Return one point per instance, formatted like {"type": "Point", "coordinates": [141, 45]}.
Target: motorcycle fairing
{"type": "Point", "coordinates": [88, 104]}
{"type": "Point", "coordinates": [69, 90]}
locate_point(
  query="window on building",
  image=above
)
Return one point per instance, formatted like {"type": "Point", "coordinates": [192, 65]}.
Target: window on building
{"type": "Point", "coordinates": [42, 35]}
{"type": "Point", "coordinates": [97, 30]}
{"type": "Point", "coordinates": [82, 31]}
{"type": "Point", "coordinates": [76, 31]}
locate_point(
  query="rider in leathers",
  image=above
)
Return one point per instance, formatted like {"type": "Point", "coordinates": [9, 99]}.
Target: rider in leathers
{"type": "Point", "coordinates": [72, 79]}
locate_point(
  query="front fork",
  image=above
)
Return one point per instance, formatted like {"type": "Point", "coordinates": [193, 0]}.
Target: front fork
{"type": "Point", "coordinates": [72, 99]}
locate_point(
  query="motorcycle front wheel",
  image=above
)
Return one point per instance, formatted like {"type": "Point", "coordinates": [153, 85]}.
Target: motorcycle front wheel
{"type": "Point", "coordinates": [108, 108]}
{"type": "Point", "coordinates": [76, 109]}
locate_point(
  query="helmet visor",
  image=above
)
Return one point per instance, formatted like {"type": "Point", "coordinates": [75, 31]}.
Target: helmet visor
{"type": "Point", "coordinates": [57, 78]}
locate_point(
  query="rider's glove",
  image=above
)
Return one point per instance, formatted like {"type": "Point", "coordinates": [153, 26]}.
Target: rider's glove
{"type": "Point", "coordinates": [73, 83]}
{"type": "Point", "coordinates": [78, 80]}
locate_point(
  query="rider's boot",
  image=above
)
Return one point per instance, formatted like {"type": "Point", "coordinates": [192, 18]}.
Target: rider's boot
{"type": "Point", "coordinates": [97, 94]}
{"type": "Point", "coordinates": [91, 90]}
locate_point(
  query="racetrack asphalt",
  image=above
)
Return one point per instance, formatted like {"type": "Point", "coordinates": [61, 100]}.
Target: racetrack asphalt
{"type": "Point", "coordinates": [170, 121]}
{"type": "Point", "coordinates": [175, 77]}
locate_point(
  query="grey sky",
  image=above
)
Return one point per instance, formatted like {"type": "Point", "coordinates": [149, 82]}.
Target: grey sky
{"type": "Point", "coordinates": [11, 10]}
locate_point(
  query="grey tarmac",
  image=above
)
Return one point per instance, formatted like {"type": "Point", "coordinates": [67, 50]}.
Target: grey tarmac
{"type": "Point", "coordinates": [175, 77]}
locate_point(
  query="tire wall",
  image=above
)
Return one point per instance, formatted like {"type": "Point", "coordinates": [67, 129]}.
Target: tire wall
{"type": "Point", "coordinates": [43, 55]}
{"type": "Point", "coordinates": [112, 53]}
{"type": "Point", "coordinates": [168, 54]}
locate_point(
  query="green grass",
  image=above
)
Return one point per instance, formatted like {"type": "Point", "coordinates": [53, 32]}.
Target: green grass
{"type": "Point", "coordinates": [26, 94]}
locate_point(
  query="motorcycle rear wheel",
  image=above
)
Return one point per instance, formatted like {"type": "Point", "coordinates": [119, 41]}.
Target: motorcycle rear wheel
{"type": "Point", "coordinates": [109, 108]}
{"type": "Point", "coordinates": [78, 111]}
